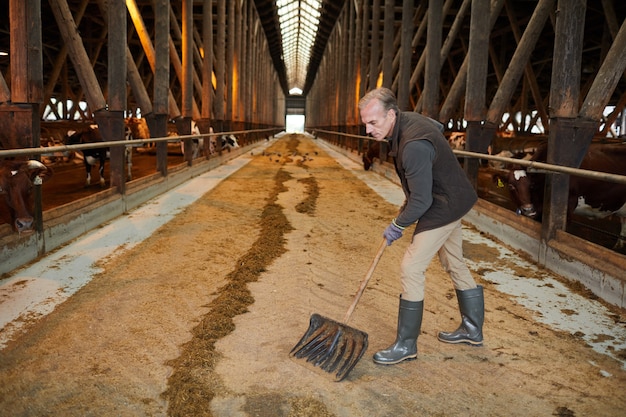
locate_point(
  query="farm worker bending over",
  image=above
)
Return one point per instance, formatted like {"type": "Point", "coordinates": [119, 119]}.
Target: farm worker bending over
{"type": "Point", "coordinates": [438, 194]}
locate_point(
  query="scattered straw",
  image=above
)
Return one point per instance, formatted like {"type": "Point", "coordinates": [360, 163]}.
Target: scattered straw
{"type": "Point", "coordinates": [193, 383]}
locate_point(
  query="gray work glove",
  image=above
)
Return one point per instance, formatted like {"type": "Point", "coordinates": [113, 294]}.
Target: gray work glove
{"type": "Point", "coordinates": [393, 232]}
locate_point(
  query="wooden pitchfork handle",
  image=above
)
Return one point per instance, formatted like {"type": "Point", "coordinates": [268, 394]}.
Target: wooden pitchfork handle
{"type": "Point", "coordinates": [368, 275]}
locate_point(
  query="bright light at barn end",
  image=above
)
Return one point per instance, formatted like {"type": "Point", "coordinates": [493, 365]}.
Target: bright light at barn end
{"type": "Point", "coordinates": [295, 91]}
{"type": "Point", "coordinates": [299, 21]}
{"type": "Point", "coordinates": [294, 123]}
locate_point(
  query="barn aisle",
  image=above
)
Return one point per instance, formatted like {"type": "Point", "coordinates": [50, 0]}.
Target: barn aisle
{"type": "Point", "coordinates": [198, 315]}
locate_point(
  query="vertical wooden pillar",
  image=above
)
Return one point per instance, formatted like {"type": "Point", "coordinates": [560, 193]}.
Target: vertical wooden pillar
{"type": "Point", "coordinates": [252, 65]}
{"type": "Point", "coordinates": [183, 126]}
{"type": "Point", "coordinates": [406, 38]}
{"type": "Point", "coordinates": [207, 59]}
{"type": "Point", "coordinates": [21, 120]}
{"type": "Point", "coordinates": [187, 58]}
{"type": "Point", "coordinates": [375, 42]}
{"type": "Point", "coordinates": [158, 122]}
{"type": "Point", "coordinates": [388, 51]}
{"type": "Point", "coordinates": [111, 121]}
{"type": "Point", "coordinates": [249, 52]}
{"type": "Point", "coordinates": [221, 65]}
{"type": "Point", "coordinates": [230, 63]}
{"type": "Point", "coordinates": [244, 39]}
{"type": "Point", "coordinates": [236, 65]}
{"type": "Point", "coordinates": [350, 74]}
{"type": "Point", "coordinates": [204, 124]}
{"type": "Point", "coordinates": [433, 46]}
{"type": "Point", "coordinates": [25, 47]}
{"type": "Point", "coordinates": [26, 75]}
{"type": "Point", "coordinates": [364, 41]}
{"type": "Point", "coordinates": [358, 62]}
{"type": "Point", "coordinates": [344, 107]}
{"type": "Point", "coordinates": [563, 141]}
{"type": "Point", "coordinates": [476, 86]}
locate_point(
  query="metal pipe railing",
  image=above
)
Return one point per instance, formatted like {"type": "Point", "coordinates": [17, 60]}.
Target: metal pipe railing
{"type": "Point", "coordinates": [131, 142]}
{"type": "Point", "coordinates": [533, 166]}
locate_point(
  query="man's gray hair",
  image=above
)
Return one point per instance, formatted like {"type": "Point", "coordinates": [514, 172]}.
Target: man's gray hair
{"type": "Point", "coordinates": [386, 97]}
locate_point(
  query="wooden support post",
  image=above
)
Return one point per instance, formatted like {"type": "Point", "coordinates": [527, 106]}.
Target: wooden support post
{"type": "Point", "coordinates": [375, 45]}
{"type": "Point", "coordinates": [114, 129]}
{"type": "Point", "coordinates": [459, 84]}
{"type": "Point", "coordinates": [157, 122]}
{"type": "Point", "coordinates": [207, 59]}
{"type": "Point", "coordinates": [364, 42]}
{"type": "Point", "coordinates": [406, 53]}
{"type": "Point", "coordinates": [476, 139]}
{"type": "Point", "coordinates": [388, 51]}
{"type": "Point", "coordinates": [568, 142]}
{"type": "Point", "coordinates": [19, 122]}
{"type": "Point", "coordinates": [221, 62]}
{"type": "Point", "coordinates": [433, 46]}
{"type": "Point", "coordinates": [230, 60]}
{"type": "Point", "coordinates": [187, 64]}
{"type": "Point", "coordinates": [569, 138]}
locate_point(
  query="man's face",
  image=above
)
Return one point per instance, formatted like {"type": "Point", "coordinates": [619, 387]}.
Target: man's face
{"type": "Point", "coordinates": [378, 122]}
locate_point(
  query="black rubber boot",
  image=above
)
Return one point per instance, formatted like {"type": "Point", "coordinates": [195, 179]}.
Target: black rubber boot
{"type": "Point", "coordinates": [409, 325]}
{"type": "Point", "coordinates": [472, 307]}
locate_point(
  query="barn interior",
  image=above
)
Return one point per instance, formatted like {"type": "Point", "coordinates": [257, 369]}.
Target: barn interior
{"type": "Point", "coordinates": [154, 69]}
{"type": "Point", "coordinates": [248, 66]}
{"type": "Point", "coordinates": [183, 90]}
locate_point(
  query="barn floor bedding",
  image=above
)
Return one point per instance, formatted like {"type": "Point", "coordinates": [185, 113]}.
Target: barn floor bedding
{"type": "Point", "coordinates": [198, 318]}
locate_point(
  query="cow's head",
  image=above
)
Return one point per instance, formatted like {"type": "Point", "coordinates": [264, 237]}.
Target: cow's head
{"type": "Point", "coordinates": [373, 150]}
{"type": "Point", "coordinates": [230, 141]}
{"type": "Point", "coordinates": [520, 188]}
{"type": "Point", "coordinates": [16, 182]}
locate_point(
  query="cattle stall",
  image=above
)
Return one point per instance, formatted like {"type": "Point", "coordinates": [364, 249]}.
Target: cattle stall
{"type": "Point", "coordinates": [68, 208]}
{"type": "Point", "coordinates": [566, 253]}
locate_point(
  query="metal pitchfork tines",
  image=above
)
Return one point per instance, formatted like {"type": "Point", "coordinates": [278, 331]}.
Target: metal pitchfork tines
{"type": "Point", "coordinates": [334, 346]}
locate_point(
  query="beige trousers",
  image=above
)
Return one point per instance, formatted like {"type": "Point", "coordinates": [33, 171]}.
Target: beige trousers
{"type": "Point", "coordinates": [447, 241]}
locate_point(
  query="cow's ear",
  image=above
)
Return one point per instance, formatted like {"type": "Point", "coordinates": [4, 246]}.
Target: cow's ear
{"type": "Point", "coordinates": [38, 172]}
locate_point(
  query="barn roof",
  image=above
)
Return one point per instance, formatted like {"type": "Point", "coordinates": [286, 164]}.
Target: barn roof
{"type": "Point", "coordinates": [504, 39]}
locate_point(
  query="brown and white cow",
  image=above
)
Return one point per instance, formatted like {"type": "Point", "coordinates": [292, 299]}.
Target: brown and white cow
{"type": "Point", "coordinates": [589, 197]}
{"type": "Point", "coordinates": [91, 134]}
{"type": "Point", "coordinates": [17, 179]}
{"type": "Point", "coordinates": [91, 156]}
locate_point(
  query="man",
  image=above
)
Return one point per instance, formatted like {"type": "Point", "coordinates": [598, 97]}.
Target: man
{"type": "Point", "coordinates": [438, 194]}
